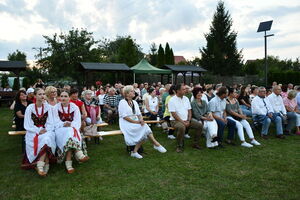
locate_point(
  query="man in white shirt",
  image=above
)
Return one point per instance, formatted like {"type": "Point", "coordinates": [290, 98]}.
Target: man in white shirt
{"type": "Point", "coordinates": [181, 114]}
{"type": "Point", "coordinates": [263, 113]}
{"type": "Point", "coordinates": [217, 106]}
{"type": "Point", "coordinates": [277, 104]}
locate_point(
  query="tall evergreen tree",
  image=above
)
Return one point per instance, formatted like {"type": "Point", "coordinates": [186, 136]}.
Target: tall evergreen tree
{"type": "Point", "coordinates": [167, 54]}
{"type": "Point", "coordinates": [220, 55]}
{"type": "Point", "coordinates": [172, 61]}
{"type": "Point", "coordinates": [153, 54]}
{"type": "Point", "coordinates": [160, 56]}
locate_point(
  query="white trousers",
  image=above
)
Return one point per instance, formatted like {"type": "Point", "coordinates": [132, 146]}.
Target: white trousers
{"type": "Point", "coordinates": [89, 121]}
{"type": "Point", "coordinates": [240, 125]}
{"type": "Point", "coordinates": [211, 128]}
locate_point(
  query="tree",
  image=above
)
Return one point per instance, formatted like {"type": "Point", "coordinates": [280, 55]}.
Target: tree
{"type": "Point", "coordinates": [16, 85]}
{"type": "Point", "coordinates": [172, 61]}
{"type": "Point", "coordinates": [123, 49]}
{"type": "Point", "coordinates": [17, 56]}
{"type": "Point", "coordinates": [160, 57]}
{"type": "Point", "coordinates": [4, 80]}
{"type": "Point", "coordinates": [220, 56]}
{"type": "Point", "coordinates": [167, 54]}
{"type": "Point", "coordinates": [153, 54]}
{"type": "Point", "coordinates": [64, 52]}
{"type": "Point", "coordinates": [128, 52]}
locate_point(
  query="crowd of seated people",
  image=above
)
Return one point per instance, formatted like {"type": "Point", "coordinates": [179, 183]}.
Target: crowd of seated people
{"type": "Point", "coordinates": [53, 117]}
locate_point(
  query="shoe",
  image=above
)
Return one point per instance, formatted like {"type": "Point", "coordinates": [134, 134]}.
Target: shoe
{"type": "Point", "coordinates": [158, 125]}
{"type": "Point", "coordinates": [160, 148]}
{"type": "Point", "coordinates": [246, 144]}
{"type": "Point", "coordinates": [215, 139]}
{"type": "Point", "coordinates": [40, 168]}
{"type": "Point", "coordinates": [81, 157]}
{"type": "Point", "coordinates": [69, 168]}
{"type": "Point", "coordinates": [280, 136]}
{"type": "Point", "coordinates": [172, 137]}
{"type": "Point", "coordinates": [197, 146]}
{"type": "Point", "coordinates": [264, 137]}
{"type": "Point", "coordinates": [254, 142]}
{"type": "Point", "coordinates": [179, 150]}
{"type": "Point", "coordinates": [136, 155]}
{"type": "Point", "coordinates": [46, 168]}
{"type": "Point", "coordinates": [187, 136]}
{"type": "Point", "coordinates": [229, 142]}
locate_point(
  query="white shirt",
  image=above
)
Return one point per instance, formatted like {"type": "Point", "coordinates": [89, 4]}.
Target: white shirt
{"type": "Point", "coordinates": [153, 102]}
{"type": "Point", "coordinates": [217, 106]}
{"type": "Point", "coordinates": [101, 98]}
{"type": "Point", "coordinates": [261, 106]}
{"type": "Point", "coordinates": [180, 106]}
{"type": "Point", "coordinates": [277, 103]}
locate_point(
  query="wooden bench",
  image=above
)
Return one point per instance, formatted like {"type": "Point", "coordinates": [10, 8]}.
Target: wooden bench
{"type": "Point", "coordinates": [101, 133]}
{"type": "Point", "coordinates": [105, 133]}
{"type": "Point", "coordinates": [153, 121]}
{"type": "Point", "coordinates": [102, 124]}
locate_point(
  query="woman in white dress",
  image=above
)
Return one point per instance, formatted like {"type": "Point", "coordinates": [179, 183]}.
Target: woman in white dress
{"type": "Point", "coordinates": [132, 124]}
{"type": "Point", "coordinates": [40, 137]}
{"type": "Point", "coordinates": [67, 135]}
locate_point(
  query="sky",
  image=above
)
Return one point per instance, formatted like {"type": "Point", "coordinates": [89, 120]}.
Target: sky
{"type": "Point", "coordinates": [182, 23]}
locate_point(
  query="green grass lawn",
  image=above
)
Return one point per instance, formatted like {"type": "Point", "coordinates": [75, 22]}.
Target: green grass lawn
{"type": "Point", "coordinates": [271, 171]}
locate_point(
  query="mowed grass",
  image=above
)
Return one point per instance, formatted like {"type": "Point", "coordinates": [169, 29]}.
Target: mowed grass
{"type": "Point", "coordinates": [270, 171]}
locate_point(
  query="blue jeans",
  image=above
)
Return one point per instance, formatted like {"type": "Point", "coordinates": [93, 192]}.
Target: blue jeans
{"type": "Point", "coordinates": [246, 110]}
{"type": "Point", "coordinates": [292, 119]}
{"type": "Point", "coordinates": [266, 121]}
{"type": "Point", "coordinates": [221, 127]}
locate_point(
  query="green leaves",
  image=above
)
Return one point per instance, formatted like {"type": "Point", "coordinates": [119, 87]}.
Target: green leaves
{"type": "Point", "coordinates": [220, 56]}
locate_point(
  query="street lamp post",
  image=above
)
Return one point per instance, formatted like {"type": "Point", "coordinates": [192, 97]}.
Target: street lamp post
{"type": "Point", "coordinates": [264, 27]}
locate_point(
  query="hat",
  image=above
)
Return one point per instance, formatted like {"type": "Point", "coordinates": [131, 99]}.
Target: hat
{"type": "Point", "coordinates": [29, 90]}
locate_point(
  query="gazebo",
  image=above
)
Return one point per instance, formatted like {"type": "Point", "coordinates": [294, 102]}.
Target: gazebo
{"type": "Point", "coordinates": [13, 66]}
{"type": "Point", "coordinates": [144, 67]}
{"type": "Point", "coordinates": [184, 69]}
{"type": "Point", "coordinates": [90, 67]}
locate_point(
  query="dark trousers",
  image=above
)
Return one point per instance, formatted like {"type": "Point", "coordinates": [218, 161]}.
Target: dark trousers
{"type": "Point", "coordinates": [151, 116]}
{"type": "Point", "coordinates": [180, 129]}
{"type": "Point", "coordinates": [221, 126]}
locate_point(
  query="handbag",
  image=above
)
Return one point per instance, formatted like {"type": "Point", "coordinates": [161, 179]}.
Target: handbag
{"type": "Point", "coordinates": [90, 130]}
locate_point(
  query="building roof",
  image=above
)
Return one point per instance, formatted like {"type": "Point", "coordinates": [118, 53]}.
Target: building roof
{"type": "Point", "coordinates": [178, 59]}
{"type": "Point", "coordinates": [105, 66]}
{"type": "Point", "coordinates": [12, 65]}
{"type": "Point", "coordinates": [144, 67]}
{"type": "Point", "coordinates": [185, 68]}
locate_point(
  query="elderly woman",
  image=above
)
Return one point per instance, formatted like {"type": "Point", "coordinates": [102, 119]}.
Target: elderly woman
{"type": "Point", "coordinates": [68, 138]}
{"type": "Point", "coordinates": [51, 94]}
{"type": "Point", "coordinates": [39, 138]}
{"type": "Point", "coordinates": [235, 114]}
{"type": "Point", "coordinates": [133, 126]}
{"type": "Point", "coordinates": [151, 104]}
{"type": "Point", "coordinates": [201, 114]}
{"type": "Point", "coordinates": [92, 108]}
{"type": "Point", "coordinates": [293, 112]}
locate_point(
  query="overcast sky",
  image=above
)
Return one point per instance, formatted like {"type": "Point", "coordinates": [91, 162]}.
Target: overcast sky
{"type": "Point", "coordinates": [182, 23]}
